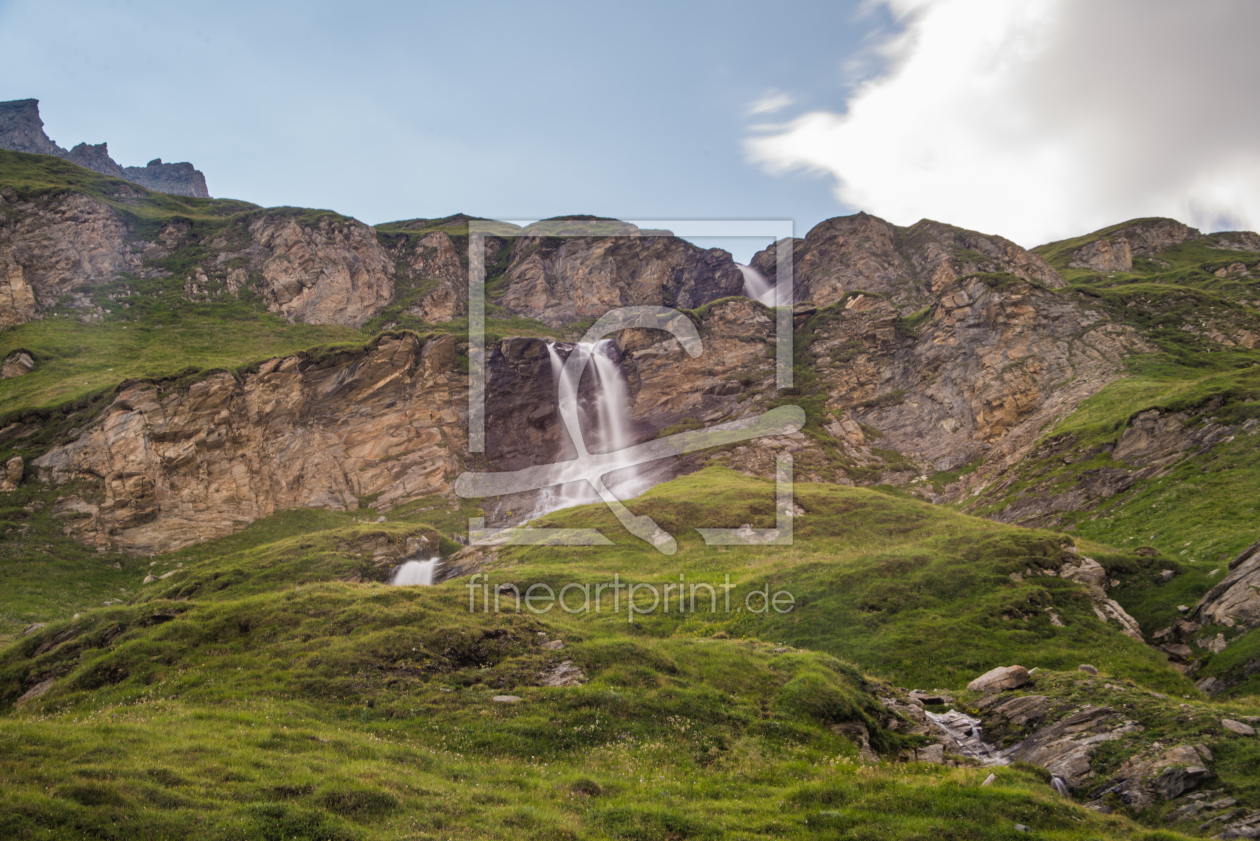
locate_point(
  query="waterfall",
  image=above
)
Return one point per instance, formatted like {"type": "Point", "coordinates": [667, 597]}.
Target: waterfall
{"type": "Point", "coordinates": [611, 431]}
{"type": "Point", "coordinates": [416, 572]}
{"type": "Point", "coordinates": [967, 735]}
{"type": "Point", "coordinates": [757, 287]}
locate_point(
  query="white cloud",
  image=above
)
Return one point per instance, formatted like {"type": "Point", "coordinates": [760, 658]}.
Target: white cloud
{"type": "Point", "coordinates": [771, 103]}
{"type": "Point", "coordinates": [1046, 119]}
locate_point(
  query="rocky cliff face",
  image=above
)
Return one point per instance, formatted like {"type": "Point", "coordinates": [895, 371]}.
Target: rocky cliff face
{"type": "Point", "coordinates": [559, 281]}
{"type": "Point", "coordinates": [22, 130]}
{"type": "Point", "coordinates": [49, 249]}
{"type": "Point", "coordinates": [329, 272]}
{"type": "Point", "coordinates": [172, 466]}
{"type": "Point", "coordinates": [907, 266]}
{"type": "Point", "coordinates": [971, 383]}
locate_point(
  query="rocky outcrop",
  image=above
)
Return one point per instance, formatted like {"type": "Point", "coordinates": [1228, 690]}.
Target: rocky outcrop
{"type": "Point", "coordinates": [1151, 444]}
{"type": "Point", "coordinates": [54, 248]}
{"type": "Point", "coordinates": [170, 467]}
{"type": "Point", "coordinates": [1104, 256]}
{"type": "Point", "coordinates": [736, 364]}
{"type": "Point", "coordinates": [1235, 601]}
{"type": "Point", "coordinates": [435, 259]}
{"type": "Point", "coordinates": [907, 266]}
{"type": "Point", "coordinates": [329, 271]}
{"type": "Point", "coordinates": [1142, 237]}
{"type": "Point", "coordinates": [179, 179]}
{"type": "Point", "coordinates": [561, 280]}
{"type": "Point", "coordinates": [16, 364]}
{"type": "Point", "coordinates": [975, 380]}
{"type": "Point", "coordinates": [22, 130]}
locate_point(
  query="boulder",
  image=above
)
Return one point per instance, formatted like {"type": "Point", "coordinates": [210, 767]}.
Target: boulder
{"type": "Point", "coordinates": [16, 364]}
{"type": "Point", "coordinates": [999, 680]}
{"type": "Point", "coordinates": [565, 674]}
{"type": "Point", "coordinates": [1238, 727]}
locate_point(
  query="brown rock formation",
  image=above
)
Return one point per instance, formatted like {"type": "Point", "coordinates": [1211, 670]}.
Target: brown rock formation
{"type": "Point", "coordinates": [1236, 600]}
{"type": "Point", "coordinates": [977, 379]}
{"type": "Point", "coordinates": [562, 280]}
{"type": "Point", "coordinates": [177, 466]}
{"type": "Point", "coordinates": [1142, 237]}
{"type": "Point", "coordinates": [331, 271]}
{"type": "Point", "coordinates": [908, 266]}
{"type": "Point", "coordinates": [56, 247]}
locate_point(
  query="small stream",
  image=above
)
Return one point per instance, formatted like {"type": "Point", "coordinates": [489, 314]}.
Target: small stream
{"type": "Point", "coordinates": [967, 734]}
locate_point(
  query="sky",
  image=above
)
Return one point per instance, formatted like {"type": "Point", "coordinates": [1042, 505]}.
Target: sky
{"type": "Point", "coordinates": [1036, 120]}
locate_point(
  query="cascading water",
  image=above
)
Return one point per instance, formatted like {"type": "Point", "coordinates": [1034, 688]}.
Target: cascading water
{"type": "Point", "coordinates": [416, 572]}
{"type": "Point", "coordinates": [757, 287]}
{"type": "Point", "coordinates": [611, 431]}
{"type": "Point", "coordinates": [966, 733]}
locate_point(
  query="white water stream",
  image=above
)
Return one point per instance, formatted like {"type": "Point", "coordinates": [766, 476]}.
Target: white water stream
{"type": "Point", "coordinates": [416, 572]}
{"type": "Point", "coordinates": [757, 287]}
{"type": "Point", "coordinates": [611, 431]}
{"type": "Point", "coordinates": [966, 733]}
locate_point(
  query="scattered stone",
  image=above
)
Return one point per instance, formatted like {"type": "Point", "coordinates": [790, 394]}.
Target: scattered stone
{"type": "Point", "coordinates": [935, 697]}
{"type": "Point", "coordinates": [1166, 575]}
{"type": "Point", "coordinates": [16, 364]}
{"type": "Point", "coordinates": [1203, 751]}
{"type": "Point", "coordinates": [1238, 727]}
{"type": "Point", "coordinates": [988, 781]}
{"type": "Point", "coordinates": [565, 674]}
{"type": "Point", "coordinates": [932, 753]}
{"type": "Point", "coordinates": [149, 579]}
{"type": "Point", "coordinates": [34, 692]}
{"type": "Point", "coordinates": [1182, 608]}
{"type": "Point", "coordinates": [1215, 644]}
{"type": "Point", "coordinates": [13, 470]}
{"type": "Point", "coordinates": [1019, 827]}
{"type": "Point", "coordinates": [1172, 782]}
{"type": "Point", "coordinates": [507, 699]}
{"type": "Point", "coordinates": [999, 680]}
{"type": "Point", "coordinates": [858, 732]}
{"type": "Point", "coordinates": [32, 628]}
{"type": "Point", "coordinates": [1088, 669]}
{"type": "Point", "coordinates": [554, 645]}
{"type": "Point", "coordinates": [1022, 711]}
{"type": "Point", "coordinates": [1177, 651]}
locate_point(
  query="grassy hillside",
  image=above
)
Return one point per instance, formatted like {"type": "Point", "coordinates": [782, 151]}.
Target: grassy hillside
{"type": "Point", "coordinates": [255, 693]}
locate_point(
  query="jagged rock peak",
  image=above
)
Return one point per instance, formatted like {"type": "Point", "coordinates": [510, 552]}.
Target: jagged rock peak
{"type": "Point", "coordinates": [22, 130]}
